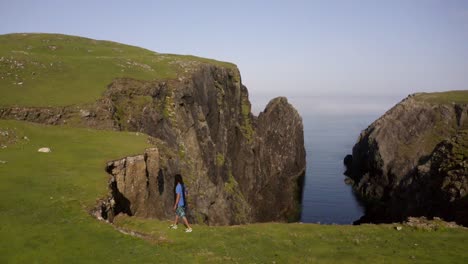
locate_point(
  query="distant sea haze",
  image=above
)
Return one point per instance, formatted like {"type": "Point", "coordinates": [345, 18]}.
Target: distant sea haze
{"type": "Point", "coordinates": [331, 128]}
{"type": "Point", "coordinates": [333, 104]}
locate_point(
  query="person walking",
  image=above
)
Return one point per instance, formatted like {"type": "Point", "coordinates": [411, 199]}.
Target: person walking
{"type": "Point", "coordinates": [179, 205]}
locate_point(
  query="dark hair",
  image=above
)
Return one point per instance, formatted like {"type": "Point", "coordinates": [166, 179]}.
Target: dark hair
{"type": "Point", "coordinates": [178, 179]}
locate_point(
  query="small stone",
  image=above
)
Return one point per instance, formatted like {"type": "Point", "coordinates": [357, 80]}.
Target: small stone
{"type": "Point", "coordinates": [3, 161]}
{"type": "Point", "coordinates": [85, 113]}
{"type": "Point", "coordinates": [44, 150]}
{"type": "Point", "coordinates": [398, 228]}
{"type": "Point", "coordinates": [26, 138]}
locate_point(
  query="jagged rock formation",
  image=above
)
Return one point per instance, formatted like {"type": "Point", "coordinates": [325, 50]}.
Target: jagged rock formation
{"type": "Point", "coordinates": [413, 161]}
{"type": "Point", "coordinates": [280, 144]}
{"type": "Point", "coordinates": [238, 168]}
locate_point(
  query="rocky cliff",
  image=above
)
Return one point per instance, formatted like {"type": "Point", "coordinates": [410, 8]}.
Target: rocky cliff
{"type": "Point", "coordinates": [238, 168]}
{"type": "Point", "coordinates": [413, 160]}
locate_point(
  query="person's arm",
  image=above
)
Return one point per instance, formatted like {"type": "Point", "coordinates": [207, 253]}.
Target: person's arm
{"type": "Point", "coordinates": [177, 201]}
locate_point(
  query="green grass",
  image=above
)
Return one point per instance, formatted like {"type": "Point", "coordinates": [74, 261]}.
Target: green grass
{"type": "Point", "coordinates": [306, 243]}
{"type": "Point", "coordinates": [60, 70]}
{"type": "Point", "coordinates": [449, 97]}
{"type": "Point", "coordinates": [45, 198]}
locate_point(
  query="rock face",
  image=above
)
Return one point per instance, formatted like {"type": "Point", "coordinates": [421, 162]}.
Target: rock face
{"type": "Point", "coordinates": [280, 144]}
{"type": "Point", "coordinates": [237, 167]}
{"type": "Point", "coordinates": [413, 161]}
{"type": "Point", "coordinates": [137, 187]}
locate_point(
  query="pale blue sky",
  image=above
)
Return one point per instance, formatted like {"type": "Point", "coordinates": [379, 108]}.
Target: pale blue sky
{"type": "Point", "coordinates": [292, 48]}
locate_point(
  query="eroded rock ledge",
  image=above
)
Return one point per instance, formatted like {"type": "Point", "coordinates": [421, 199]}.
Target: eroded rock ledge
{"type": "Point", "coordinates": [137, 187]}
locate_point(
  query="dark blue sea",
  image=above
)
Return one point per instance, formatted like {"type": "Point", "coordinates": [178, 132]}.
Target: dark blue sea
{"type": "Point", "coordinates": [331, 128]}
{"type": "Point", "coordinates": [328, 139]}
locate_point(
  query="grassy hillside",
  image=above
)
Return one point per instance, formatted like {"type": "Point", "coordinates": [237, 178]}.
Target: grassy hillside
{"type": "Point", "coordinates": [45, 196]}
{"type": "Point", "coordinates": [449, 97]}
{"type": "Point", "coordinates": [59, 70]}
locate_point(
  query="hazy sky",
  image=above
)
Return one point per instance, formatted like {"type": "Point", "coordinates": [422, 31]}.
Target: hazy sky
{"type": "Point", "coordinates": [292, 48]}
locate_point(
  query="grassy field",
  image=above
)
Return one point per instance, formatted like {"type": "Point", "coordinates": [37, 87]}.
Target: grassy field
{"type": "Point", "coordinates": [449, 97]}
{"type": "Point", "coordinates": [45, 197]}
{"type": "Point", "coordinates": [61, 70]}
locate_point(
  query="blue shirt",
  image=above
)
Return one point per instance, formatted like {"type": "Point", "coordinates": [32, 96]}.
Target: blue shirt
{"type": "Point", "coordinates": [178, 190]}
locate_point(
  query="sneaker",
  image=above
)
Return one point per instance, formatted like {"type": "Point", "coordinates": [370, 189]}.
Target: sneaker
{"type": "Point", "coordinates": [188, 230]}
{"type": "Point", "coordinates": [173, 226]}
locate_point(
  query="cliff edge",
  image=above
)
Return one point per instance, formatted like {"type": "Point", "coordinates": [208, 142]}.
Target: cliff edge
{"type": "Point", "coordinates": [238, 168]}
{"type": "Point", "coordinates": [412, 161]}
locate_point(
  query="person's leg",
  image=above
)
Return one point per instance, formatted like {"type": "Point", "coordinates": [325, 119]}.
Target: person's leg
{"type": "Point", "coordinates": [176, 220]}
{"type": "Point", "coordinates": [186, 222]}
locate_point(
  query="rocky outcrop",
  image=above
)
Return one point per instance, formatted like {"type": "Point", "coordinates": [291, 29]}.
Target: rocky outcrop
{"type": "Point", "coordinates": [45, 115]}
{"type": "Point", "coordinates": [280, 144]}
{"type": "Point", "coordinates": [238, 168]}
{"type": "Point", "coordinates": [439, 187]}
{"type": "Point", "coordinates": [98, 115]}
{"type": "Point", "coordinates": [137, 187]}
{"type": "Point", "coordinates": [413, 162]}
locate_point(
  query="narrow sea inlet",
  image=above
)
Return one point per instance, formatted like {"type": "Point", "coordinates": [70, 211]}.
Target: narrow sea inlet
{"type": "Point", "coordinates": [327, 199]}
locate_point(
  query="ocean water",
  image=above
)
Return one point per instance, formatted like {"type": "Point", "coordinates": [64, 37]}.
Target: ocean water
{"type": "Point", "coordinates": [328, 139]}
{"type": "Point", "coordinates": [331, 128]}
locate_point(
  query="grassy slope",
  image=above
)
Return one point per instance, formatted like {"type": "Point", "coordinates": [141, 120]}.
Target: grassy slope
{"type": "Point", "coordinates": [308, 243]}
{"type": "Point", "coordinates": [43, 216]}
{"type": "Point", "coordinates": [59, 70]}
{"type": "Point", "coordinates": [449, 97]}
